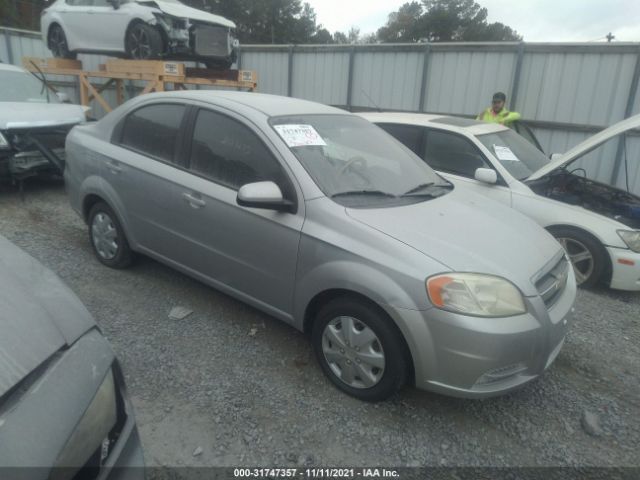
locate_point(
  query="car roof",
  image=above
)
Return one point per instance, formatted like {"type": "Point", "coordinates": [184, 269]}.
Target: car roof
{"type": "Point", "coordinates": [11, 68]}
{"type": "Point", "coordinates": [441, 122]}
{"type": "Point", "coordinates": [270, 105]}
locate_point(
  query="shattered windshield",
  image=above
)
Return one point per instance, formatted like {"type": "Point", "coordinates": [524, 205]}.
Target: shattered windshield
{"type": "Point", "coordinates": [23, 87]}
{"type": "Point", "coordinates": [514, 153]}
{"type": "Point", "coordinates": [356, 163]}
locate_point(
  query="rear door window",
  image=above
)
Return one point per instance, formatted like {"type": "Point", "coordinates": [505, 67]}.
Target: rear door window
{"type": "Point", "coordinates": [154, 130]}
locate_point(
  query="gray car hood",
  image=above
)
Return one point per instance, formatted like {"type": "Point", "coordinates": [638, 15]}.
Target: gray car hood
{"type": "Point", "coordinates": [19, 115]}
{"type": "Point", "coordinates": [39, 315]}
{"type": "Point", "coordinates": [469, 233]}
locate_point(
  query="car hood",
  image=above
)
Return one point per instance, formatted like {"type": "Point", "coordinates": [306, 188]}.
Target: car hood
{"type": "Point", "coordinates": [39, 315]}
{"type": "Point", "coordinates": [589, 144]}
{"type": "Point", "coordinates": [20, 115]}
{"type": "Point", "coordinates": [184, 11]}
{"type": "Point", "coordinates": [469, 233]}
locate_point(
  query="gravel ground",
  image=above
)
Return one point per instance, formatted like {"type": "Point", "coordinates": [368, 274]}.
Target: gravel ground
{"type": "Point", "coordinates": [229, 385]}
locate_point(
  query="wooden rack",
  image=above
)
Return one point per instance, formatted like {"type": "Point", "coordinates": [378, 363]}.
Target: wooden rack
{"type": "Point", "coordinates": [157, 74]}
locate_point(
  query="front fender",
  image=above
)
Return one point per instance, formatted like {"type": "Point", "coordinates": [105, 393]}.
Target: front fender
{"type": "Point", "coordinates": [550, 213]}
{"type": "Point", "coordinates": [350, 276]}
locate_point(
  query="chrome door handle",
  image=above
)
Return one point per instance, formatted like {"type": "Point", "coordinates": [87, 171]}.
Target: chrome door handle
{"type": "Point", "coordinates": [195, 202]}
{"type": "Point", "coordinates": [114, 167]}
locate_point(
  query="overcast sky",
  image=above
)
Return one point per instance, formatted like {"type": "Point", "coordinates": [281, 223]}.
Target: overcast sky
{"type": "Point", "coordinates": [536, 21]}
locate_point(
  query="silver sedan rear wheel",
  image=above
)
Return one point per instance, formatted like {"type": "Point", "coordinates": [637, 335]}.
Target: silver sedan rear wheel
{"type": "Point", "coordinates": [353, 352]}
{"type": "Point", "coordinates": [105, 236]}
{"type": "Point", "coordinates": [108, 238]}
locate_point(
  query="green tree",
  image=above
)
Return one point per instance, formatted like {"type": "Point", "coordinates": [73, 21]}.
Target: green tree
{"type": "Point", "coordinates": [267, 21]}
{"type": "Point", "coordinates": [443, 21]}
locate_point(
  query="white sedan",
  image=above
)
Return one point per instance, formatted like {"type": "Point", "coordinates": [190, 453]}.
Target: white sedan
{"type": "Point", "coordinates": [598, 224]}
{"type": "Point", "coordinates": [140, 30]}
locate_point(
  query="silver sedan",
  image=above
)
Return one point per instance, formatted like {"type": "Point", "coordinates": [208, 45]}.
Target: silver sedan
{"type": "Point", "coordinates": [322, 220]}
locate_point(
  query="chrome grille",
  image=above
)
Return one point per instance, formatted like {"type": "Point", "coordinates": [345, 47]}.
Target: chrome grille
{"type": "Point", "coordinates": [551, 285]}
{"type": "Point", "coordinates": [212, 41]}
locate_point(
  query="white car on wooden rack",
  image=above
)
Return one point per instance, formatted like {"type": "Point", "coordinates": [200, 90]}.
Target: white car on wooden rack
{"type": "Point", "coordinates": [139, 29]}
{"type": "Point", "coordinates": [597, 223]}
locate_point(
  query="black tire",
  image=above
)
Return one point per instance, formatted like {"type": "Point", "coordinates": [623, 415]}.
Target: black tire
{"type": "Point", "coordinates": [219, 64]}
{"type": "Point", "coordinates": [143, 42]}
{"type": "Point", "coordinates": [122, 255]}
{"type": "Point", "coordinates": [589, 271]}
{"type": "Point", "coordinates": [394, 373]}
{"type": "Point", "coordinates": [57, 43]}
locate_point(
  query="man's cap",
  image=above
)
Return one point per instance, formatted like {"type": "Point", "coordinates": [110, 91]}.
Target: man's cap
{"type": "Point", "coordinates": [500, 96]}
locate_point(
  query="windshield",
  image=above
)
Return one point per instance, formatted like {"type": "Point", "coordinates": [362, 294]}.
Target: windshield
{"type": "Point", "coordinates": [23, 87]}
{"type": "Point", "coordinates": [515, 153]}
{"type": "Point", "coordinates": [356, 163]}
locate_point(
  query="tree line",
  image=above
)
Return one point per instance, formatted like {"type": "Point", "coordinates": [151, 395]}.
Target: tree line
{"type": "Point", "coordinates": [295, 22]}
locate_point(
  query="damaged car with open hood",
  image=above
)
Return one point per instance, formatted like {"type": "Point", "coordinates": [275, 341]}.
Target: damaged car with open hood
{"type": "Point", "coordinates": [34, 123]}
{"type": "Point", "coordinates": [582, 197]}
{"type": "Point", "coordinates": [141, 30]}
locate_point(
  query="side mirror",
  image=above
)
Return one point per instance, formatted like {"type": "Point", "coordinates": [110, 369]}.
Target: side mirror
{"type": "Point", "coordinates": [115, 4]}
{"type": "Point", "coordinates": [63, 97]}
{"type": "Point", "coordinates": [555, 156]}
{"type": "Point", "coordinates": [486, 175]}
{"type": "Point", "coordinates": [263, 195]}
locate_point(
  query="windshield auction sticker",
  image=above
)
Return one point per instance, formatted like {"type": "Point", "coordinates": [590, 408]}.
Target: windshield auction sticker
{"type": "Point", "coordinates": [505, 153]}
{"type": "Point", "coordinates": [299, 135]}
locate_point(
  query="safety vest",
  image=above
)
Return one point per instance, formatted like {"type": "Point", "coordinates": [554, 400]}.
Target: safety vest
{"type": "Point", "coordinates": [504, 116]}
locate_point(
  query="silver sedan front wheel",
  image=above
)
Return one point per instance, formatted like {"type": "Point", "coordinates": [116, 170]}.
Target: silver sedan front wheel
{"type": "Point", "coordinates": [360, 348]}
{"type": "Point", "coordinates": [354, 352]}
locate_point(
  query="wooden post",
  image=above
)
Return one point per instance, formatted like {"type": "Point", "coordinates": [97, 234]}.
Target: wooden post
{"type": "Point", "coordinates": [119, 91]}
{"type": "Point", "coordinates": [84, 92]}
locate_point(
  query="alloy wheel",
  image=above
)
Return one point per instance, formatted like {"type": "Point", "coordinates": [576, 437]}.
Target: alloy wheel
{"type": "Point", "coordinates": [580, 256]}
{"type": "Point", "coordinates": [140, 44]}
{"type": "Point", "coordinates": [353, 352]}
{"type": "Point", "coordinates": [58, 42]}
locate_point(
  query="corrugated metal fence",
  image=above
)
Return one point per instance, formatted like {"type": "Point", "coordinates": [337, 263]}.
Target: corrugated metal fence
{"type": "Point", "coordinates": [566, 91]}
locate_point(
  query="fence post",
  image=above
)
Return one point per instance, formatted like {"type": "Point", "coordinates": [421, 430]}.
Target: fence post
{"type": "Point", "coordinates": [290, 72]}
{"type": "Point", "coordinates": [425, 72]}
{"type": "Point", "coordinates": [7, 39]}
{"type": "Point", "coordinates": [631, 99]}
{"type": "Point", "coordinates": [516, 76]}
{"type": "Point", "coordinates": [352, 54]}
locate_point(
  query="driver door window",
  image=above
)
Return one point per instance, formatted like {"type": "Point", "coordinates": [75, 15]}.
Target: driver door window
{"type": "Point", "coordinates": [451, 153]}
{"type": "Point", "coordinates": [229, 153]}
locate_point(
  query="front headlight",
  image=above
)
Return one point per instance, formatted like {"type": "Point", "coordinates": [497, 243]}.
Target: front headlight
{"type": "Point", "coordinates": [94, 427]}
{"type": "Point", "coordinates": [4, 143]}
{"type": "Point", "coordinates": [631, 238]}
{"type": "Point", "coordinates": [475, 294]}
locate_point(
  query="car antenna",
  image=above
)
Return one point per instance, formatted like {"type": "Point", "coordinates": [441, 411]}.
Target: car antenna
{"type": "Point", "coordinates": [371, 101]}
{"type": "Point", "coordinates": [45, 83]}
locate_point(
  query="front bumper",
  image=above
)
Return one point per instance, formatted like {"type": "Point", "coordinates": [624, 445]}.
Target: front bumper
{"type": "Point", "coordinates": [475, 357]}
{"type": "Point", "coordinates": [32, 153]}
{"type": "Point", "coordinates": [625, 271]}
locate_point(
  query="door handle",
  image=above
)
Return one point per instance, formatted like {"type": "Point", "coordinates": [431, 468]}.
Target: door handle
{"type": "Point", "coordinates": [194, 201]}
{"type": "Point", "coordinates": [114, 167]}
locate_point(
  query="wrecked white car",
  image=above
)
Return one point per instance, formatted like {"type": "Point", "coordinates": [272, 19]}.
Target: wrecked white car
{"type": "Point", "coordinates": [140, 30]}
{"type": "Point", "coordinates": [33, 125]}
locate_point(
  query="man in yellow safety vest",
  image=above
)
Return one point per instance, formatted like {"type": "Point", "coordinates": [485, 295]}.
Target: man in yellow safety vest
{"type": "Point", "coordinates": [497, 113]}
